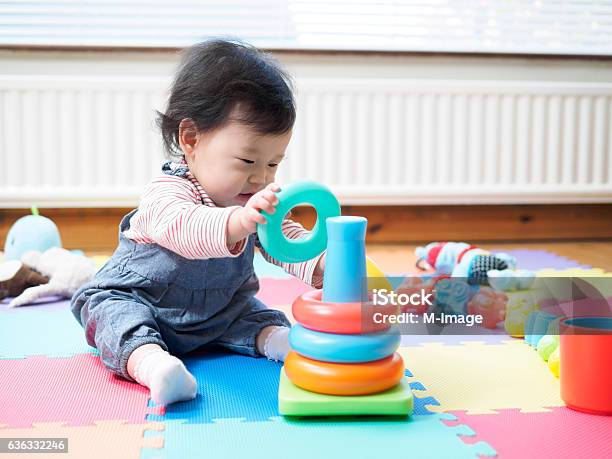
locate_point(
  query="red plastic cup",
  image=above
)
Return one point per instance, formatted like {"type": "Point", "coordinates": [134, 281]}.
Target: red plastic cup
{"type": "Point", "coordinates": [586, 364]}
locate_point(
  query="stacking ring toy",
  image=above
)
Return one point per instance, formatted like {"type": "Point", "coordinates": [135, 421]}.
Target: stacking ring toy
{"type": "Point", "coordinates": [329, 347]}
{"type": "Point", "coordinates": [344, 378]}
{"type": "Point", "coordinates": [271, 235]}
{"type": "Point", "coordinates": [342, 318]}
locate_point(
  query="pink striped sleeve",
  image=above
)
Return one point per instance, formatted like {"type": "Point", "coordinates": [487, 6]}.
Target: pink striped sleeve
{"type": "Point", "coordinates": [304, 270]}
{"type": "Point", "coordinates": [171, 214]}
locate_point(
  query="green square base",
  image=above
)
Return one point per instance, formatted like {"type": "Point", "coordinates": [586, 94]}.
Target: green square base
{"type": "Point", "coordinates": [295, 401]}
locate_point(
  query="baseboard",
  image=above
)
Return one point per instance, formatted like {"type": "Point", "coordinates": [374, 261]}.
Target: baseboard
{"type": "Point", "coordinates": [96, 229]}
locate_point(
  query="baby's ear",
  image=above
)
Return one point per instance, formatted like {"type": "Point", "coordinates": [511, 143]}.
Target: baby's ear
{"type": "Point", "coordinates": [187, 135]}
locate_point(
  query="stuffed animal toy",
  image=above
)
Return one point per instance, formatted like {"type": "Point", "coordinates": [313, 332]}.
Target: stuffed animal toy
{"type": "Point", "coordinates": [32, 232]}
{"type": "Point", "coordinates": [66, 271]}
{"type": "Point", "coordinates": [477, 265]}
{"type": "Point", "coordinates": [15, 277]}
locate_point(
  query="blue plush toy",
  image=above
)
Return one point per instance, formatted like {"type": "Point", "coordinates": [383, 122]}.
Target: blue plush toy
{"type": "Point", "coordinates": [32, 232]}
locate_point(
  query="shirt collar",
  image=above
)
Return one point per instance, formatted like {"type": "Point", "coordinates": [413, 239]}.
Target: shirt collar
{"type": "Point", "coordinates": [181, 168]}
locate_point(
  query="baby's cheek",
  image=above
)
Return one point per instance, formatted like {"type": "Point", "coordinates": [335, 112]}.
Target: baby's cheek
{"type": "Point", "coordinates": [271, 176]}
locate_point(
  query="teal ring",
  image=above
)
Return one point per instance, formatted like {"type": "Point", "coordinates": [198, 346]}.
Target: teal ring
{"type": "Point", "coordinates": [271, 235]}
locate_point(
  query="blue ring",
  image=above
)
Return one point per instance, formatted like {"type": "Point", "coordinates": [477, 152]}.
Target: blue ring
{"type": "Point", "coordinates": [331, 347]}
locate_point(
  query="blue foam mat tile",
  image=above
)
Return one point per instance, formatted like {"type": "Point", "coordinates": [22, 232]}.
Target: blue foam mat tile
{"type": "Point", "coordinates": [421, 403]}
{"type": "Point", "coordinates": [237, 386]}
{"type": "Point", "coordinates": [265, 269]}
{"type": "Point", "coordinates": [229, 386]}
{"type": "Point", "coordinates": [307, 438]}
{"type": "Point", "coordinates": [44, 329]}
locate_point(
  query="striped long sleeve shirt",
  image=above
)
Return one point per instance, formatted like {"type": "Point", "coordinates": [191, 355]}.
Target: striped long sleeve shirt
{"type": "Point", "coordinates": [176, 213]}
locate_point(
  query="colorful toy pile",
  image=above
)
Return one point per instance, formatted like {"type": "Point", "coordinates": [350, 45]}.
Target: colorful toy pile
{"type": "Point", "coordinates": [343, 362]}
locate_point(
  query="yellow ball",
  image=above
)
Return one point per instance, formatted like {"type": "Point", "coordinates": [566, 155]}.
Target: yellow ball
{"type": "Point", "coordinates": [515, 325]}
{"type": "Point", "coordinates": [554, 362]}
{"type": "Point", "coordinates": [547, 345]}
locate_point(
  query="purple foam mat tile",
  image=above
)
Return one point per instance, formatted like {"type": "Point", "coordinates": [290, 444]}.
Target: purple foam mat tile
{"type": "Point", "coordinates": [48, 303]}
{"type": "Point", "coordinates": [541, 259]}
{"type": "Point", "coordinates": [417, 340]}
{"type": "Point", "coordinates": [420, 333]}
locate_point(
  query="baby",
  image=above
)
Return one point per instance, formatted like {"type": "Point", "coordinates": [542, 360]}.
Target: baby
{"type": "Point", "coordinates": [182, 275]}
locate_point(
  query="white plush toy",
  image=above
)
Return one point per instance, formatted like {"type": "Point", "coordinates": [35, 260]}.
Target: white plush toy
{"type": "Point", "coordinates": [67, 271]}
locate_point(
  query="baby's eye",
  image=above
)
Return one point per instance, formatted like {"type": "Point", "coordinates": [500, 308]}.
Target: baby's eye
{"type": "Point", "coordinates": [248, 161]}
{"type": "Point", "coordinates": [273, 165]}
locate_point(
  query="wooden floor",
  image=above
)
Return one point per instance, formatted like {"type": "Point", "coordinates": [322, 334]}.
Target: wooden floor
{"type": "Point", "coordinates": [95, 229]}
{"type": "Point", "coordinates": [396, 258]}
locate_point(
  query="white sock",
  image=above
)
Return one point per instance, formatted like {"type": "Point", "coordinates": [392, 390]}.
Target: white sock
{"type": "Point", "coordinates": [276, 346]}
{"type": "Point", "coordinates": [166, 377]}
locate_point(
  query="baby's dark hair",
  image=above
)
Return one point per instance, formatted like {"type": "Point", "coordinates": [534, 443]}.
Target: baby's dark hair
{"type": "Point", "coordinates": [216, 76]}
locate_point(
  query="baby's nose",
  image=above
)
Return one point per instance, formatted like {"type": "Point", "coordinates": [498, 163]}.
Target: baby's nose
{"type": "Point", "coordinates": [257, 179]}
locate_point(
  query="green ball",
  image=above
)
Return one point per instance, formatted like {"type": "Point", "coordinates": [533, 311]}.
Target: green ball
{"type": "Point", "coordinates": [547, 345]}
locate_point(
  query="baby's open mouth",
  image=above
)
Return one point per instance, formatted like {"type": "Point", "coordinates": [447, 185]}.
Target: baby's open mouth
{"type": "Point", "coordinates": [244, 197]}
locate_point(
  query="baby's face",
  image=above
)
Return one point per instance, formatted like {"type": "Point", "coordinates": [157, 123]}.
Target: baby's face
{"type": "Point", "coordinates": [233, 162]}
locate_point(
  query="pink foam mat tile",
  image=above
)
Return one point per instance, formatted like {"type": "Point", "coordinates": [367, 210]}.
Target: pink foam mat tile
{"type": "Point", "coordinates": [559, 433]}
{"type": "Point", "coordinates": [104, 440]}
{"type": "Point", "coordinates": [274, 292]}
{"type": "Point", "coordinates": [77, 390]}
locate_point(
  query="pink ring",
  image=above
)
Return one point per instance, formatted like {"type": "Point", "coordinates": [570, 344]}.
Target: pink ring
{"type": "Point", "coordinates": [341, 318]}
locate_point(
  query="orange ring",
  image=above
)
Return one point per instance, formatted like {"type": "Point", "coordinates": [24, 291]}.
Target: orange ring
{"type": "Point", "coordinates": [344, 378]}
{"type": "Point", "coordinates": [341, 318]}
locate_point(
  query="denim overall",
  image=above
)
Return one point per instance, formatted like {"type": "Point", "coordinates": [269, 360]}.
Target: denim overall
{"type": "Point", "coordinates": [148, 294]}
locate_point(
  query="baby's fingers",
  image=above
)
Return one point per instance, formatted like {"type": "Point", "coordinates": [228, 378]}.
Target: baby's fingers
{"type": "Point", "coordinates": [269, 196]}
{"type": "Point", "coordinates": [261, 202]}
{"type": "Point", "coordinates": [254, 216]}
{"type": "Point", "coordinates": [272, 187]}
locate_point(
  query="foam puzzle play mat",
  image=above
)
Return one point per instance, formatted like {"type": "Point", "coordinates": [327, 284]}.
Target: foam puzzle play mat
{"type": "Point", "coordinates": [376, 369]}
{"type": "Point", "coordinates": [458, 396]}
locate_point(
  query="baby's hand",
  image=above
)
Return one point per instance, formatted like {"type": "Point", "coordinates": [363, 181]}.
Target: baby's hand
{"type": "Point", "coordinates": [264, 200]}
{"type": "Point", "coordinates": [244, 221]}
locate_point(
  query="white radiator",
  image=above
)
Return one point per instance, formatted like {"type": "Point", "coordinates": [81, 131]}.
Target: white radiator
{"type": "Point", "coordinates": [82, 141]}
